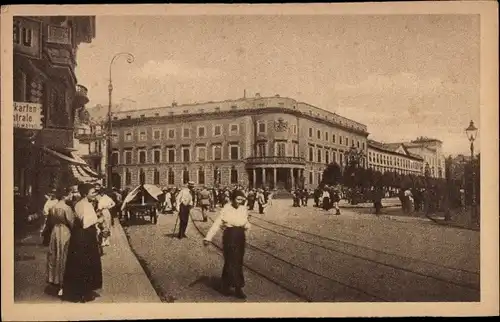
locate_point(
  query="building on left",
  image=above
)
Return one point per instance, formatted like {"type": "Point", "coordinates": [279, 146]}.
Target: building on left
{"type": "Point", "coordinates": [47, 99]}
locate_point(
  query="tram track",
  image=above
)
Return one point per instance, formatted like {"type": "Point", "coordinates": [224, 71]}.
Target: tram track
{"type": "Point", "coordinates": [291, 276]}
{"type": "Point", "coordinates": [376, 257]}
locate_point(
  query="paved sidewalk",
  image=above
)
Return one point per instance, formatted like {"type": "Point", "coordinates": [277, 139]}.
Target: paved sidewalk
{"type": "Point", "coordinates": [124, 280]}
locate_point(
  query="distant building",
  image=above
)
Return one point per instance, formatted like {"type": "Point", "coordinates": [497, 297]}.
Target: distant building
{"type": "Point", "coordinates": [258, 141]}
{"type": "Point", "coordinates": [394, 157]}
{"type": "Point", "coordinates": [429, 150]}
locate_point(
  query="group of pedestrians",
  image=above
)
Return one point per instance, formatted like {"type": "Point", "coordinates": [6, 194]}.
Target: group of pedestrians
{"type": "Point", "coordinates": [77, 227]}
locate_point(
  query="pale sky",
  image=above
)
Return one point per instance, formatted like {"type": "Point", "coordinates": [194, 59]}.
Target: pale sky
{"type": "Point", "coordinates": [402, 76]}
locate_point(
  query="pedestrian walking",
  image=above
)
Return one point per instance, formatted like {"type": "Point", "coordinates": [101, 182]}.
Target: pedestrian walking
{"type": "Point", "coordinates": [204, 202]}
{"type": "Point", "coordinates": [335, 195]}
{"type": "Point", "coordinates": [261, 200]}
{"type": "Point", "coordinates": [49, 203]}
{"type": "Point", "coordinates": [83, 271]}
{"type": "Point", "coordinates": [104, 206]}
{"type": "Point", "coordinates": [233, 220]}
{"type": "Point", "coordinates": [325, 197]}
{"type": "Point", "coordinates": [60, 220]}
{"type": "Point", "coordinates": [185, 202]}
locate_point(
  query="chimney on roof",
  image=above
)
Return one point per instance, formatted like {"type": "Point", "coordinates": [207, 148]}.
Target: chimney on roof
{"type": "Point", "coordinates": [174, 103]}
{"type": "Point", "coordinates": [257, 95]}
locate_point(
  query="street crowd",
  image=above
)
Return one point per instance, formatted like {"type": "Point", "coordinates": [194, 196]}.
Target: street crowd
{"type": "Point", "coordinates": [78, 221]}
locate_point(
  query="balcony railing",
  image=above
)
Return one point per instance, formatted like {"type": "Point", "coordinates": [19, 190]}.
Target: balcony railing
{"type": "Point", "coordinates": [275, 160]}
{"type": "Point", "coordinates": [89, 137]}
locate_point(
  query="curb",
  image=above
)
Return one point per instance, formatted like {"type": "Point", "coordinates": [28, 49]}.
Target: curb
{"type": "Point", "coordinates": [124, 238]}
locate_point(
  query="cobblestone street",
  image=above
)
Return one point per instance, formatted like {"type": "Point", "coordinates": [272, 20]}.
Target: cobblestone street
{"type": "Point", "coordinates": [304, 254]}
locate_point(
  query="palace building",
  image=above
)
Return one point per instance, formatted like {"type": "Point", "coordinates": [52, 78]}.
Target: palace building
{"type": "Point", "coordinates": [258, 141]}
{"type": "Point", "coordinates": [393, 157]}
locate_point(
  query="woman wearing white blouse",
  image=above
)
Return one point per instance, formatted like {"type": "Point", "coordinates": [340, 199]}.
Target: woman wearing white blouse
{"type": "Point", "coordinates": [233, 220]}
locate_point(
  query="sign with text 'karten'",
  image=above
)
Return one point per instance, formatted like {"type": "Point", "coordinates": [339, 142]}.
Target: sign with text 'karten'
{"type": "Point", "coordinates": [28, 115]}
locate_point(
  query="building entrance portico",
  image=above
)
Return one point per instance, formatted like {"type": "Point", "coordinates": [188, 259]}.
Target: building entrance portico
{"type": "Point", "coordinates": [283, 173]}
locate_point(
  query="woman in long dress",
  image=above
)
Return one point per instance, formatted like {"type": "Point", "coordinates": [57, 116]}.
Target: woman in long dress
{"type": "Point", "coordinates": [233, 220]}
{"type": "Point", "coordinates": [83, 273]}
{"type": "Point", "coordinates": [60, 219]}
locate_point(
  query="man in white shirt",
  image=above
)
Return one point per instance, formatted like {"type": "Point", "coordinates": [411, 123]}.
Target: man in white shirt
{"type": "Point", "coordinates": [185, 202]}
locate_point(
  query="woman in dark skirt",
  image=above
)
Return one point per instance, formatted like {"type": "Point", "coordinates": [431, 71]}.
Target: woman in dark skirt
{"type": "Point", "coordinates": [83, 273]}
{"type": "Point", "coordinates": [233, 220]}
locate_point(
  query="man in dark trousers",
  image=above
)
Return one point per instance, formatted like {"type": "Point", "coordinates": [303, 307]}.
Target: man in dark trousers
{"type": "Point", "coordinates": [185, 202]}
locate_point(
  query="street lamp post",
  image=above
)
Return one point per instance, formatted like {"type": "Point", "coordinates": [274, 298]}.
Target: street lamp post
{"type": "Point", "coordinates": [130, 59]}
{"type": "Point", "coordinates": [471, 132]}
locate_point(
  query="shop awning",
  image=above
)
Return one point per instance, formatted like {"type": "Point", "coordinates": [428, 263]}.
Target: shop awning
{"type": "Point", "coordinates": [66, 157]}
{"type": "Point", "coordinates": [79, 168]}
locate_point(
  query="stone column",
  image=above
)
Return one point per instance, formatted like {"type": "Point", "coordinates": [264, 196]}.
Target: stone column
{"type": "Point", "coordinates": [263, 177]}
{"type": "Point", "coordinates": [254, 178]}
{"type": "Point", "coordinates": [292, 177]}
{"type": "Point", "coordinates": [275, 177]}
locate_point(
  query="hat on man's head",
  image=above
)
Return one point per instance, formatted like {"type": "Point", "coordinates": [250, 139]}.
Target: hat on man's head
{"type": "Point", "coordinates": [191, 183]}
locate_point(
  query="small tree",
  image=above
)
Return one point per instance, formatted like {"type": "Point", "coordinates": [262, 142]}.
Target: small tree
{"type": "Point", "coordinates": [332, 175]}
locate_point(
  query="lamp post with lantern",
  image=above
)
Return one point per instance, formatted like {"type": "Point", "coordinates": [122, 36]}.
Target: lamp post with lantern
{"type": "Point", "coordinates": [471, 132]}
{"type": "Point", "coordinates": [130, 59]}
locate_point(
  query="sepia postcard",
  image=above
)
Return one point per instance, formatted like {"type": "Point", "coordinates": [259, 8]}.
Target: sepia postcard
{"type": "Point", "coordinates": [250, 160]}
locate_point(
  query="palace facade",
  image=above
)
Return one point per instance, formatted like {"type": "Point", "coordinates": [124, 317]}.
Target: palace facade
{"type": "Point", "coordinates": [259, 141]}
{"type": "Point", "coordinates": [394, 157]}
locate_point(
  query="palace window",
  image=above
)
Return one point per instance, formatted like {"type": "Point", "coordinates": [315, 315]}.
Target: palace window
{"type": "Point", "coordinates": [334, 156]}
{"type": "Point", "coordinates": [234, 152]}
{"type": "Point", "coordinates": [115, 158]}
{"type": "Point", "coordinates": [280, 149]}
{"type": "Point", "coordinates": [142, 176]}
{"type": "Point", "coordinates": [319, 155]}
{"type": "Point", "coordinates": [142, 156]}
{"type": "Point", "coordinates": [358, 144]}
{"type": "Point", "coordinates": [311, 154]}
{"type": "Point", "coordinates": [157, 134]}
{"type": "Point", "coordinates": [142, 136]}
{"type": "Point", "coordinates": [217, 152]}
{"type": "Point", "coordinates": [294, 129]}
{"type": "Point", "coordinates": [171, 176]}
{"type": "Point", "coordinates": [217, 130]}
{"type": "Point", "coordinates": [310, 132]}
{"type": "Point", "coordinates": [326, 136]}
{"type": "Point", "coordinates": [347, 141]}
{"type": "Point", "coordinates": [186, 155]}
{"type": "Point", "coordinates": [311, 177]}
{"type": "Point", "coordinates": [217, 175]}
{"type": "Point", "coordinates": [233, 129]}
{"type": "Point", "coordinates": [295, 149]}
{"type": "Point", "coordinates": [156, 156]}
{"type": "Point", "coordinates": [234, 175]}
{"type": "Point", "coordinates": [333, 138]}
{"type": "Point", "coordinates": [128, 157]}
{"type": "Point", "coordinates": [185, 132]}
{"type": "Point", "coordinates": [201, 132]}
{"type": "Point", "coordinates": [185, 176]}
{"type": "Point", "coordinates": [340, 140]}
{"type": "Point", "coordinates": [201, 176]}
{"type": "Point", "coordinates": [128, 137]}
{"type": "Point", "coordinates": [261, 127]}
{"type": "Point", "coordinates": [318, 134]}
{"type": "Point", "coordinates": [171, 155]}
{"type": "Point", "coordinates": [171, 133]}
{"type": "Point", "coordinates": [201, 153]}
{"type": "Point", "coordinates": [261, 149]}
{"type": "Point", "coordinates": [327, 157]}
{"type": "Point", "coordinates": [156, 177]}
{"type": "Point", "coordinates": [128, 177]}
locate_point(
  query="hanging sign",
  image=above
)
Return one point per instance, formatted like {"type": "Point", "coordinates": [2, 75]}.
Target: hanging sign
{"type": "Point", "coordinates": [28, 115]}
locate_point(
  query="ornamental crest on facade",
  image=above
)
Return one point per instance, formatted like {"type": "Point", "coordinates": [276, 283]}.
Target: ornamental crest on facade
{"type": "Point", "coordinates": [280, 125]}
